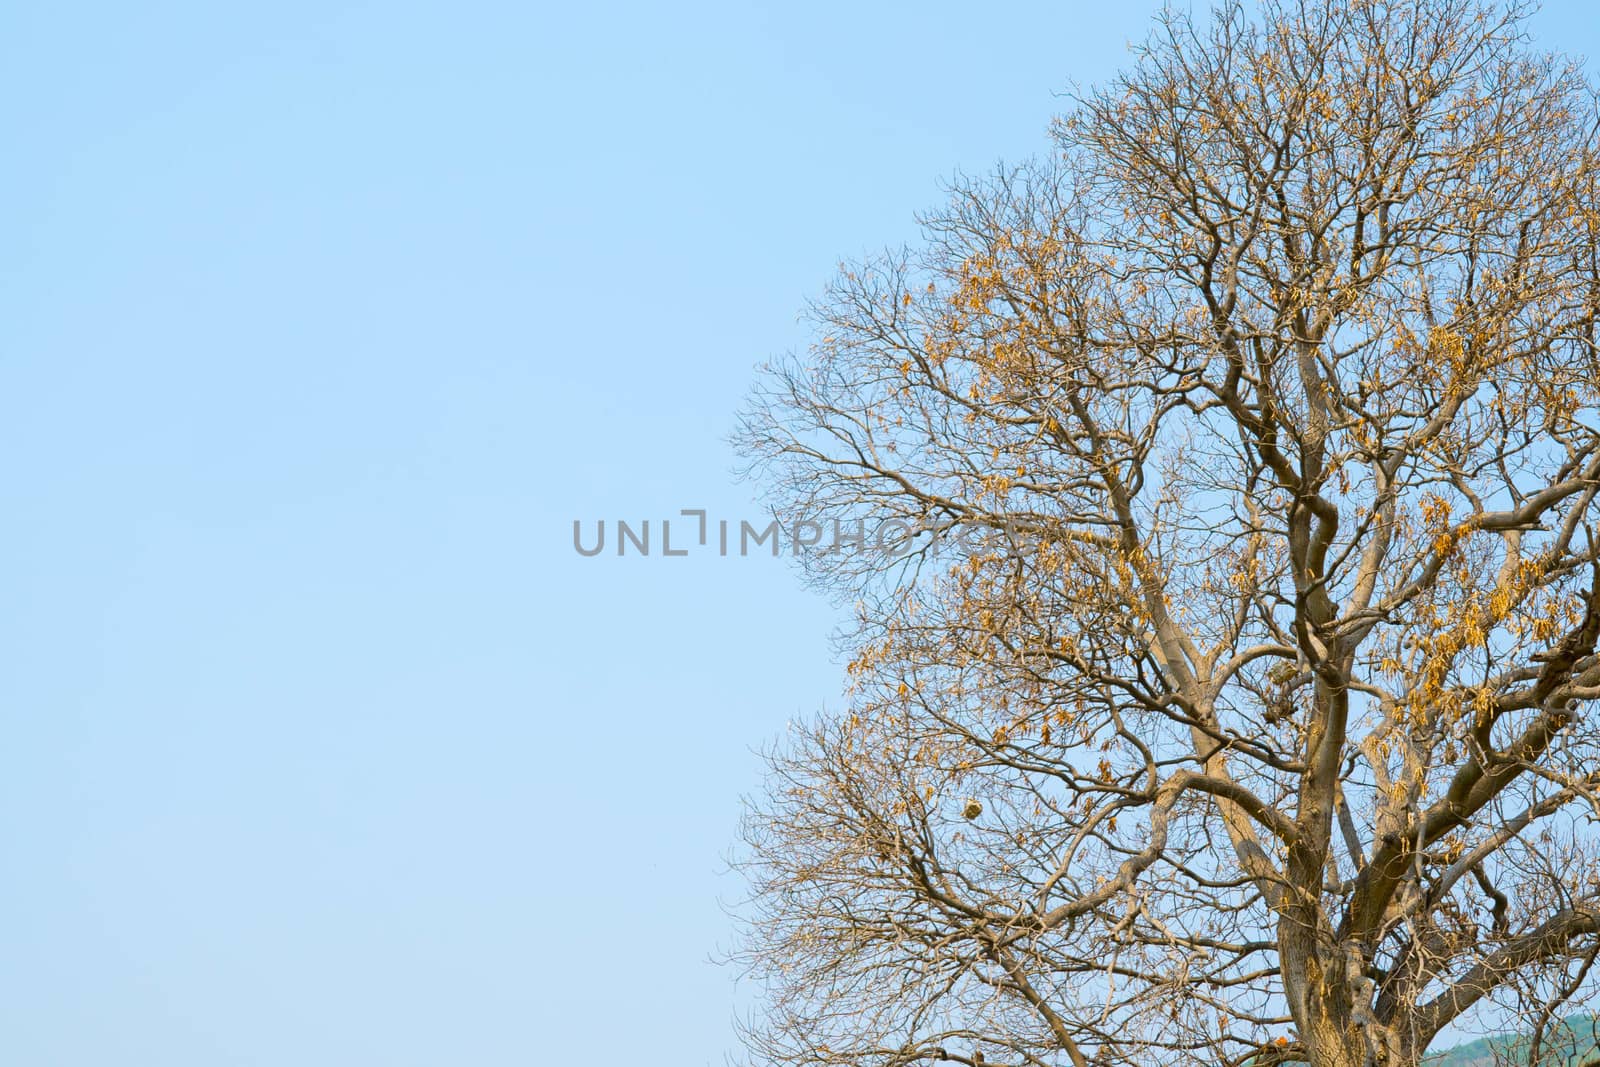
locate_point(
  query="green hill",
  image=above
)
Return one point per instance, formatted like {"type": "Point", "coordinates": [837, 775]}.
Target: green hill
{"type": "Point", "coordinates": [1573, 1042]}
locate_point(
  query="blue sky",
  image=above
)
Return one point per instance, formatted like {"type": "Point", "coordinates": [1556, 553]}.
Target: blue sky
{"type": "Point", "coordinates": [319, 325]}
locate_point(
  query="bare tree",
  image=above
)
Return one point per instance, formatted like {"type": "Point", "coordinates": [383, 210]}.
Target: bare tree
{"type": "Point", "coordinates": [1250, 718]}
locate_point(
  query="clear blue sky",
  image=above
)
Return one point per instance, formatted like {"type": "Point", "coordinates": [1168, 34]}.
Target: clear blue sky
{"type": "Point", "coordinates": [319, 324]}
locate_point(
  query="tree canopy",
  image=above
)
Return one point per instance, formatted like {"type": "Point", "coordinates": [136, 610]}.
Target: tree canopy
{"type": "Point", "coordinates": [1259, 723]}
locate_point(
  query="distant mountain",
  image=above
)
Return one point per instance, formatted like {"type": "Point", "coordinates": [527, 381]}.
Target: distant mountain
{"type": "Point", "coordinates": [1573, 1042]}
